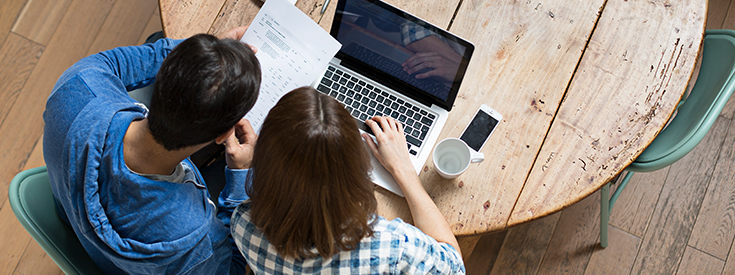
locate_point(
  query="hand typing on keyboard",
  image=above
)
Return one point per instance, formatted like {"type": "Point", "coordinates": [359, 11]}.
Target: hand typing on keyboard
{"type": "Point", "coordinates": [390, 149]}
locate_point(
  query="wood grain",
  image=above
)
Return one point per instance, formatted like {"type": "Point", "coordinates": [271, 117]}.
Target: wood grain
{"type": "Point", "coordinates": [515, 42]}
{"type": "Point", "coordinates": [730, 263]}
{"type": "Point", "coordinates": [9, 10]}
{"type": "Point", "coordinates": [39, 19]}
{"type": "Point", "coordinates": [590, 142]}
{"type": "Point", "coordinates": [698, 262]}
{"type": "Point", "coordinates": [680, 200]}
{"type": "Point", "coordinates": [13, 239]}
{"type": "Point", "coordinates": [485, 253]}
{"type": "Point", "coordinates": [123, 25]}
{"type": "Point", "coordinates": [524, 247]}
{"type": "Point", "coordinates": [18, 56]}
{"type": "Point", "coordinates": [618, 257]}
{"type": "Point", "coordinates": [233, 13]}
{"type": "Point", "coordinates": [714, 231]}
{"type": "Point", "coordinates": [467, 245]}
{"type": "Point", "coordinates": [185, 18]}
{"type": "Point", "coordinates": [637, 202]}
{"type": "Point", "coordinates": [36, 261]}
{"type": "Point", "coordinates": [154, 25]}
{"type": "Point", "coordinates": [716, 13]}
{"type": "Point", "coordinates": [35, 159]}
{"type": "Point", "coordinates": [575, 237]}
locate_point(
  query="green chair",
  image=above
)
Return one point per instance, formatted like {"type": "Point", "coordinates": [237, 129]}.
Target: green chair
{"type": "Point", "coordinates": [694, 117]}
{"type": "Point", "coordinates": [33, 204]}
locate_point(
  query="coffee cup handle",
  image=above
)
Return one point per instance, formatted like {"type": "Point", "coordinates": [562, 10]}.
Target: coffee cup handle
{"type": "Point", "coordinates": [476, 156]}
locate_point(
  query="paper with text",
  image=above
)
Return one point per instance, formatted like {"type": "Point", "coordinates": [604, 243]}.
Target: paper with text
{"type": "Point", "coordinates": [293, 50]}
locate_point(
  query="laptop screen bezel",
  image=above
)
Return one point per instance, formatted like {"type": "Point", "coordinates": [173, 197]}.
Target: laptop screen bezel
{"type": "Point", "coordinates": [393, 82]}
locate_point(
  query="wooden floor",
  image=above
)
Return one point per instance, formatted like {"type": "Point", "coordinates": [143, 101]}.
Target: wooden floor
{"type": "Point", "coordinates": [677, 220]}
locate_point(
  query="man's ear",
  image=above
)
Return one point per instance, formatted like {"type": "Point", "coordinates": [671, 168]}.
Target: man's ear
{"type": "Point", "coordinates": [223, 137]}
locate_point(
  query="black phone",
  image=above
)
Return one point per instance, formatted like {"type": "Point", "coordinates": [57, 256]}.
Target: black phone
{"type": "Point", "coordinates": [483, 124]}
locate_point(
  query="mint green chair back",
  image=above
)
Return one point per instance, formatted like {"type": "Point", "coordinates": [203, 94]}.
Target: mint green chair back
{"type": "Point", "coordinates": [33, 204]}
{"type": "Point", "coordinates": [692, 121]}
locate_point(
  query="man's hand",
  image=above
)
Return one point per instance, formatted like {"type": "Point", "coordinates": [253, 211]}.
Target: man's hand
{"type": "Point", "coordinates": [239, 146]}
{"type": "Point", "coordinates": [431, 64]}
{"type": "Point", "coordinates": [236, 34]}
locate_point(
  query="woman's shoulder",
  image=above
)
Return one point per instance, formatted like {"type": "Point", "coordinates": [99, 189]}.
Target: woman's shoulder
{"type": "Point", "coordinates": [396, 227]}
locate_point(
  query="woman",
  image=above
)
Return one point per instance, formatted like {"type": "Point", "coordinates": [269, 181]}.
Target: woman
{"type": "Point", "coordinates": [312, 208]}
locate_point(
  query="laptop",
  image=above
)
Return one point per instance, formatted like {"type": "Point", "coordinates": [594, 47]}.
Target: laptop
{"type": "Point", "coordinates": [394, 64]}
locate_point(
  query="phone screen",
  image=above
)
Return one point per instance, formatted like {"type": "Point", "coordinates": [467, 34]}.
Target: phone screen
{"type": "Point", "coordinates": [479, 130]}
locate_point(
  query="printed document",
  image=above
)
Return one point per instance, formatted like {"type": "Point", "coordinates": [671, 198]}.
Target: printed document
{"type": "Point", "coordinates": [293, 51]}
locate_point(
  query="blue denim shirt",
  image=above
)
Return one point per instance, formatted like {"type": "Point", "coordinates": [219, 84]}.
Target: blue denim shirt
{"type": "Point", "coordinates": [126, 222]}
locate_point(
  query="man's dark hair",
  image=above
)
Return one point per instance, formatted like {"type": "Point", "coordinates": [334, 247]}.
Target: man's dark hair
{"type": "Point", "coordinates": [204, 87]}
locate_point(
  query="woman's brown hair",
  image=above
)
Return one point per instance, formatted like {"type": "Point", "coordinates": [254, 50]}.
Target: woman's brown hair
{"type": "Point", "coordinates": [310, 183]}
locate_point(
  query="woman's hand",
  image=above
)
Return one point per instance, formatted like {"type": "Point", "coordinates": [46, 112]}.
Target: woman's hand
{"type": "Point", "coordinates": [391, 148]}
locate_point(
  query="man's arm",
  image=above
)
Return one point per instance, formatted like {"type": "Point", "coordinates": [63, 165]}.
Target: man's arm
{"type": "Point", "coordinates": [238, 155]}
{"type": "Point", "coordinates": [133, 66]}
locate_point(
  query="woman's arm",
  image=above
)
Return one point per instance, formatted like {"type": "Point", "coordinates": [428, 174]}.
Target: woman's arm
{"type": "Point", "coordinates": [392, 153]}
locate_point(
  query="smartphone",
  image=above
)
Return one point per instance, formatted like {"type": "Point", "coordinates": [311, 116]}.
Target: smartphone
{"type": "Point", "coordinates": [481, 127]}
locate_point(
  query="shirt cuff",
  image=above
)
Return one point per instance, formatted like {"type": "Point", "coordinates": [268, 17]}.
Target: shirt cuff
{"type": "Point", "coordinates": [235, 182]}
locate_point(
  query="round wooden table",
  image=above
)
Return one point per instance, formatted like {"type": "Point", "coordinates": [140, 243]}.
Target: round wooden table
{"type": "Point", "coordinates": [583, 87]}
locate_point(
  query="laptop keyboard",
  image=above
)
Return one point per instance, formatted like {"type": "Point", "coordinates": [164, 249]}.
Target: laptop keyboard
{"type": "Point", "coordinates": [364, 101]}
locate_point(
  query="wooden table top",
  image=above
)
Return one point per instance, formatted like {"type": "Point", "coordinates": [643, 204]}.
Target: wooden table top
{"type": "Point", "coordinates": [583, 87]}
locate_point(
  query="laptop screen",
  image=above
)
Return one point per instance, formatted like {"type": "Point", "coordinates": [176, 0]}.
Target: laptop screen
{"type": "Point", "coordinates": [401, 51]}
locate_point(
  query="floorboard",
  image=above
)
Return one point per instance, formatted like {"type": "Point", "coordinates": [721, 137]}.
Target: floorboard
{"type": "Point", "coordinates": [124, 24]}
{"type": "Point", "coordinates": [13, 240]}
{"type": "Point", "coordinates": [677, 208]}
{"type": "Point", "coordinates": [524, 247]}
{"type": "Point", "coordinates": [698, 262]}
{"type": "Point", "coordinates": [619, 255]}
{"type": "Point", "coordinates": [486, 251]}
{"type": "Point", "coordinates": [730, 263]}
{"type": "Point", "coordinates": [635, 205]}
{"type": "Point", "coordinates": [39, 19]}
{"type": "Point", "coordinates": [9, 10]}
{"type": "Point", "coordinates": [714, 230]}
{"type": "Point", "coordinates": [18, 56]}
{"type": "Point", "coordinates": [36, 261]}
{"type": "Point", "coordinates": [716, 13]}
{"type": "Point", "coordinates": [575, 237]}
{"type": "Point", "coordinates": [154, 25]}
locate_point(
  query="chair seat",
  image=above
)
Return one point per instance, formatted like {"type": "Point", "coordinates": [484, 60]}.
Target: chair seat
{"type": "Point", "coordinates": [32, 202]}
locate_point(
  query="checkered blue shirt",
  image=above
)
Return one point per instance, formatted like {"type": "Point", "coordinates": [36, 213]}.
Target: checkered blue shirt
{"type": "Point", "coordinates": [395, 248]}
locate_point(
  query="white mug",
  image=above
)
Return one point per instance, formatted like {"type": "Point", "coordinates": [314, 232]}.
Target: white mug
{"type": "Point", "coordinates": [452, 156]}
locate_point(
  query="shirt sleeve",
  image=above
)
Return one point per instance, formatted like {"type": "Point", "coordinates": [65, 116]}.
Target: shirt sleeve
{"type": "Point", "coordinates": [133, 66]}
{"type": "Point", "coordinates": [422, 254]}
{"type": "Point", "coordinates": [231, 196]}
{"type": "Point", "coordinates": [411, 32]}
{"type": "Point", "coordinates": [233, 193]}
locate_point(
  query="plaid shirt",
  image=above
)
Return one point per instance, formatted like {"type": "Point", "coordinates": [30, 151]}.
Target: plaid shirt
{"type": "Point", "coordinates": [395, 248]}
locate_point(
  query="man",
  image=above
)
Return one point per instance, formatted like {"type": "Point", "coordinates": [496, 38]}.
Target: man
{"type": "Point", "coordinates": [120, 173]}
